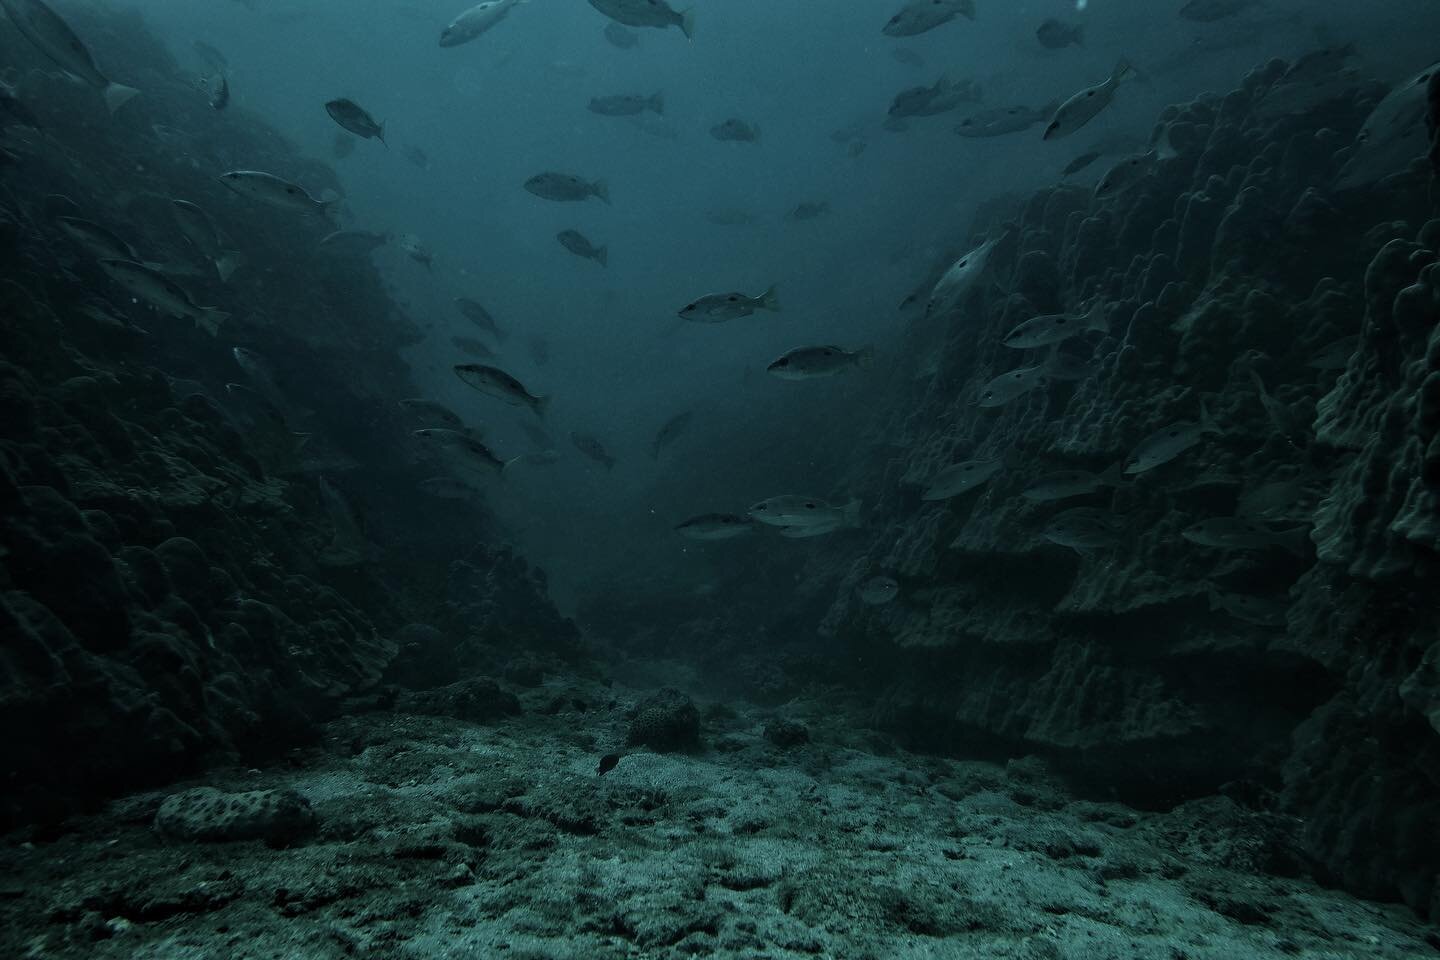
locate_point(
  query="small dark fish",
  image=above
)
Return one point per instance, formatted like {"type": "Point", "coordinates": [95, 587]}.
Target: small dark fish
{"type": "Point", "coordinates": [810, 210]}
{"type": "Point", "coordinates": [627, 104]}
{"type": "Point", "coordinates": [593, 449]}
{"type": "Point", "coordinates": [610, 760]}
{"type": "Point", "coordinates": [416, 156]}
{"type": "Point", "coordinates": [1057, 34]}
{"type": "Point", "coordinates": [354, 118]}
{"type": "Point", "coordinates": [736, 131]}
{"type": "Point", "coordinates": [624, 38]}
{"type": "Point", "coordinates": [1080, 163]}
{"type": "Point", "coordinates": [580, 245]}
{"type": "Point", "coordinates": [668, 433]}
{"type": "Point", "coordinates": [479, 316]}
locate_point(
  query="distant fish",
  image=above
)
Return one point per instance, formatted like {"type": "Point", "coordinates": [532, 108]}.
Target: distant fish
{"type": "Point", "coordinates": [926, 101]}
{"type": "Point", "coordinates": [812, 363]}
{"type": "Point", "coordinates": [431, 413]}
{"type": "Point", "coordinates": [722, 307]}
{"type": "Point", "coordinates": [271, 189]}
{"type": "Point", "coordinates": [715, 526]}
{"type": "Point", "coordinates": [792, 510]}
{"type": "Point", "coordinates": [415, 249]}
{"type": "Point", "coordinates": [217, 88]}
{"type": "Point", "coordinates": [355, 118]}
{"type": "Point", "coordinates": [416, 156]}
{"type": "Point", "coordinates": [1127, 172]}
{"type": "Point", "coordinates": [1260, 611]}
{"type": "Point", "coordinates": [499, 384]}
{"type": "Point", "coordinates": [98, 241]}
{"type": "Point", "coordinates": [1011, 385]}
{"type": "Point", "coordinates": [1056, 34]}
{"type": "Point", "coordinates": [580, 245]}
{"type": "Point", "coordinates": [476, 21]}
{"type": "Point", "coordinates": [1084, 106]}
{"type": "Point", "coordinates": [1081, 162]}
{"type": "Point", "coordinates": [627, 104]}
{"type": "Point", "coordinates": [478, 315]}
{"type": "Point", "coordinates": [1276, 498]}
{"type": "Point", "coordinates": [607, 763]}
{"type": "Point", "coordinates": [1055, 328]}
{"type": "Point", "coordinates": [566, 187]}
{"type": "Point", "coordinates": [1167, 443]}
{"type": "Point", "coordinates": [1084, 530]}
{"type": "Point", "coordinates": [201, 231]}
{"type": "Point", "coordinates": [1288, 423]}
{"type": "Point", "coordinates": [919, 16]}
{"type": "Point", "coordinates": [669, 432]}
{"type": "Point", "coordinates": [647, 13]}
{"type": "Point", "coordinates": [960, 478]}
{"type": "Point", "coordinates": [621, 37]}
{"type": "Point", "coordinates": [1064, 484]}
{"type": "Point", "coordinates": [473, 348]}
{"type": "Point", "coordinates": [957, 281]}
{"type": "Point", "coordinates": [593, 449]}
{"type": "Point", "coordinates": [1208, 11]}
{"type": "Point", "coordinates": [464, 448]}
{"type": "Point", "coordinates": [736, 131]}
{"type": "Point", "coordinates": [53, 37]}
{"type": "Point", "coordinates": [729, 217]}
{"type": "Point", "coordinates": [809, 210]}
{"type": "Point", "coordinates": [878, 591]}
{"type": "Point", "coordinates": [13, 110]}
{"type": "Point", "coordinates": [999, 121]}
{"type": "Point", "coordinates": [161, 293]}
{"type": "Point", "coordinates": [1240, 533]}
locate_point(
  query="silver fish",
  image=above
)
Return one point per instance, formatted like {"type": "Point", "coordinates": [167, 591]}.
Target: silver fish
{"type": "Point", "coordinates": [416, 249]}
{"type": "Point", "coordinates": [348, 546]}
{"type": "Point", "coordinates": [715, 526]}
{"type": "Point", "coordinates": [956, 282]}
{"type": "Point", "coordinates": [943, 95]}
{"type": "Point", "coordinates": [1012, 384]}
{"type": "Point", "coordinates": [669, 432]}
{"type": "Point", "coordinates": [475, 21]}
{"type": "Point", "coordinates": [565, 187]}
{"type": "Point", "coordinates": [811, 530]}
{"type": "Point", "coordinates": [812, 363]}
{"type": "Point", "coordinates": [627, 104]}
{"type": "Point", "coordinates": [1242, 606]}
{"type": "Point", "coordinates": [53, 37]}
{"type": "Point", "coordinates": [1167, 443]}
{"type": "Point", "coordinates": [792, 510]}
{"type": "Point", "coordinates": [1394, 134]}
{"type": "Point", "coordinates": [960, 478]}
{"type": "Point", "coordinates": [1127, 172]}
{"type": "Point", "coordinates": [1277, 497]}
{"type": "Point", "coordinates": [878, 591]}
{"type": "Point", "coordinates": [1084, 530]}
{"type": "Point", "coordinates": [201, 231]}
{"type": "Point", "coordinates": [98, 241]}
{"type": "Point", "coordinates": [268, 188]}
{"type": "Point", "coordinates": [1084, 106]}
{"type": "Point", "coordinates": [720, 307]}
{"type": "Point", "coordinates": [262, 377]}
{"type": "Point", "coordinates": [1240, 533]}
{"type": "Point", "coordinates": [355, 118]}
{"type": "Point", "coordinates": [580, 245]}
{"type": "Point", "coordinates": [481, 317]}
{"type": "Point", "coordinates": [593, 449]}
{"type": "Point", "coordinates": [431, 413]}
{"type": "Point", "coordinates": [647, 13]}
{"type": "Point", "coordinates": [499, 384]}
{"type": "Point", "coordinates": [999, 121]}
{"type": "Point", "coordinates": [161, 293]}
{"type": "Point", "coordinates": [1057, 34]}
{"type": "Point", "coordinates": [1063, 484]}
{"type": "Point", "coordinates": [353, 241]}
{"type": "Point", "coordinates": [1054, 328]}
{"type": "Point", "coordinates": [919, 16]}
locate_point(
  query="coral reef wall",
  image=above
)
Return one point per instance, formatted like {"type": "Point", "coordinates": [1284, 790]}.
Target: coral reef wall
{"type": "Point", "coordinates": [183, 576]}
{"type": "Point", "coordinates": [1238, 284]}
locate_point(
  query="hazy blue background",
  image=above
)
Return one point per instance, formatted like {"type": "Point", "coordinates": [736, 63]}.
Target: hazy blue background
{"type": "Point", "coordinates": [513, 103]}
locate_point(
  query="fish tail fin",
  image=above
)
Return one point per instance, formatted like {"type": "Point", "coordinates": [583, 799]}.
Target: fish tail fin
{"type": "Point", "coordinates": [657, 103]}
{"type": "Point", "coordinates": [770, 299]}
{"type": "Point", "coordinates": [1113, 475]}
{"type": "Point", "coordinates": [1098, 320]}
{"type": "Point", "coordinates": [381, 137]}
{"type": "Point", "coordinates": [117, 95]}
{"type": "Point", "coordinates": [603, 256]}
{"type": "Point", "coordinates": [210, 319]}
{"type": "Point", "coordinates": [227, 263]}
{"type": "Point", "coordinates": [687, 23]}
{"type": "Point", "coordinates": [540, 405]}
{"type": "Point", "coordinates": [865, 356]}
{"type": "Point", "coordinates": [1121, 71]}
{"type": "Point", "coordinates": [601, 189]}
{"type": "Point", "coordinates": [851, 513]}
{"type": "Point", "coordinates": [1207, 422]}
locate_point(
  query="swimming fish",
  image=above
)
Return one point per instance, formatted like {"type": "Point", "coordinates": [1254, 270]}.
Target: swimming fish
{"type": "Point", "coordinates": [878, 591]}
{"type": "Point", "coordinates": [960, 478]}
{"type": "Point", "coordinates": [960, 278]}
{"type": "Point", "coordinates": [1394, 134]}
{"type": "Point", "coordinates": [479, 316]}
{"type": "Point", "coordinates": [476, 21]}
{"type": "Point", "coordinates": [812, 363]}
{"type": "Point", "coordinates": [669, 432]}
{"type": "Point", "coordinates": [1057, 327]}
{"type": "Point", "coordinates": [647, 13]}
{"type": "Point", "coordinates": [1084, 106]}
{"type": "Point", "coordinates": [1085, 530]}
{"type": "Point", "coordinates": [499, 384]}
{"type": "Point", "coordinates": [161, 293]}
{"type": "Point", "coordinates": [721, 307]}
{"type": "Point", "coordinates": [566, 187]}
{"type": "Point", "coordinates": [593, 449]}
{"type": "Point", "coordinates": [354, 118]}
{"type": "Point", "coordinates": [919, 16]}
{"type": "Point", "coordinates": [736, 130]}
{"type": "Point", "coordinates": [715, 526]}
{"type": "Point", "coordinates": [998, 121]}
{"type": "Point", "coordinates": [1063, 484]}
{"type": "Point", "coordinates": [1242, 606]}
{"type": "Point", "coordinates": [1056, 34]}
{"type": "Point", "coordinates": [201, 231]}
{"type": "Point", "coordinates": [431, 413]}
{"type": "Point", "coordinates": [275, 191]}
{"type": "Point", "coordinates": [1240, 533]}
{"type": "Point", "coordinates": [416, 249]}
{"type": "Point", "coordinates": [627, 104]}
{"type": "Point", "coordinates": [1167, 443]}
{"type": "Point", "coordinates": [580, 245]}
{"type": "Point", "coordinates": [926, 101]}
{"type": "Point", "coordinates": [1012, 384]}
{"type": "Point", "coordinates": [792, 510]}
{"type": "Point", "coordinates": [53, 37]}
{"type": "Point", "coordinates": [464, 447]}
{"type": "Point", "coordinates": [98, 241]}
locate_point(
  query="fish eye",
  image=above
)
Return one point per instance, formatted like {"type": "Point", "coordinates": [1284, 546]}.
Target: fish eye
{"type": "Point", "coordinates": [809, 506]}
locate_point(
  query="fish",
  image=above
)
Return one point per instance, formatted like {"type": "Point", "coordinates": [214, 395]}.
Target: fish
{"type": "Point", "coordinates": [1167, 443]}
{"type": "Point", "coordinates": [960, 478]}
{"type": "Point", "coordinates": [715, 526]}
{"type": "Point", "coordinates": [499, 384]}
{"type": "Point", "coordinates": [627, 104]}
{"type": "Point", "coordinates": [415, 249]}
{"type": "Point", "coordinates": [268, 188]}
{"type": "Point", "coordinates": [580, 245]}
{"type": "Point", "coordinates": [926, 101]}
{"type": "Point", "coordinates": [809, 210]}
{"type": "Point", "coordinates": [1283, 417]}
{"type": "Point", "coordinates": [1243, 533]}
{"type": "Point", "coordinates": [416, 156]}
{"type": "Point", "coordinates": [353, 241]}
{"type": "Point", "coordinates": [1394, 134]}
{"type": "Point", "coordinates": [593, 449]}
{"type": "Point", "coordinates": [1277, 497]}
{"type": "Point", "coordinates": [958, 280]}
{"type": "Point", "coordinates": [647, 13]}
{"type": "Point", "coordinates": [97, 241]}
{"type": "Point", "coordinates": [218, 87]}
{"type": "Point", "coordinates": [855, 148]}
{"type": "Point", "coordinates": [464, 447]}
{"type": "Point", "coordinates": [1209, 11]}
{"type": "Point", "coordinates": [160, 292]}
{"type": "Point", "coordinates": [479, 316]}
{"type": "Point", "coordinates": [1064, 484]}
{"type": "Point", "coordinates": [878, 591]}
{"type": "Point", "coordinates": [201, 231]}
{"type": "Point", "coordinates": [53, 37]}
{"type": "Point", "coordinates": [1242, 606]}
{"type": "Point", "coordinates": [355, 118]}
{"type": "Point", "coordinates": [812, 363]}
{"type": "Point", "coordinates": [1336, 354]}
{"type": "Point", "coordinates": [669, 432]}
{"type": "Point", "coordinates": [1011, 385]}
{"type": "Point", "coordinates": [729, 217]}
{"type": "Point", "coordinates": [447, 488]}
{"type": "Point", "coordinates": [721, 307]}
{"type": "Point", "coordinates": [473, 348]}
{"type": "Point", "coordinates": [1056, 34]}
{"type": "Point", "coordinates": [998, 121]}
{"type": "Point", "coordinates": [1126, 173]}
{"type": "Point", "coordinates": [1055, 328]}
{"type": "Point", "coordinates": [920, 16]}
{"type": "Point", "coordinates": [262, 378]}
{"type": "Point", "coordinates": [793, 510]}
{"type": "Point", "coordinates": [1083, 529]}
{"type": "Point", "coordinates": [621, 37]}
{"type": "Point", "coordinates": [431, 413]}
{"type": "Point", "coordinates": [607, 763]}
{"type": "Point", "coordinates": [1081, 162]}
{"type": "Point", "coordinates": [475, 21]}
{"type": "Point", "coordinates": [563, 187]}
{"type": "Point", "coordinates": [1084, 106]}
{"type": "Point", "coordinates": [736, 131]}
{"type": "Point", "coordinates": [1318, 65]}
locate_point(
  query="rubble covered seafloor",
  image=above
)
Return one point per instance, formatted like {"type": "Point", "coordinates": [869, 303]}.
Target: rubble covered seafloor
{"type": "Point", "coordinates": [1156, 669]}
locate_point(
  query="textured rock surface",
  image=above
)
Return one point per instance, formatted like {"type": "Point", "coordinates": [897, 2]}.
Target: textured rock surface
{"type": "Point", "coordinates": [665, 721]}
{"type": "Point", "coordinates": [209, 815]}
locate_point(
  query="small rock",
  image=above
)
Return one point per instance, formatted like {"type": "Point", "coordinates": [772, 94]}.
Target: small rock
{"type": "Point", "coordinates": [208, 815]}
